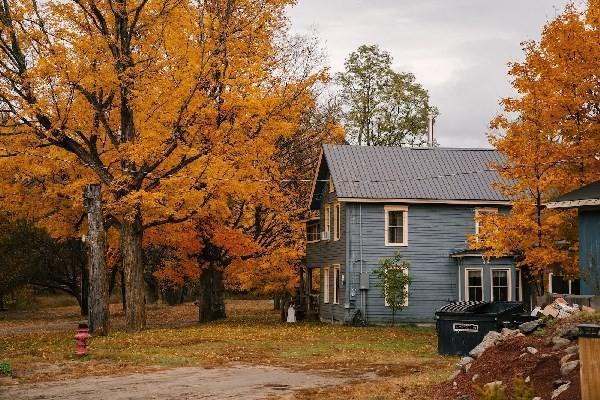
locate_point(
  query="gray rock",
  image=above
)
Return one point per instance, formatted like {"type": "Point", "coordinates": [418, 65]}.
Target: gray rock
{"type": "Point", "coordinates": [529, 327]}
{"type": "Point", "coordinates": [567, 367]}
{"type": "Point", "coordinates": [560, 390]}
{"type": "Point", "coordinates": [568, 332]}
{"type": "Point", "coordinates": [559, 342]}
{"type": "Point", "coordinates": [488, 341]}
{"type": "Point", "coordinates": [463, 362]}
{"type": "Point", "coordinates": [532, 350]}
{"type": "Point", "coordinates": [537, 398]}
{"type": "Point", "coordinates": [572, 349]}
{"type": "Point", "coordinates": [468, 367]}
{"type": "Point", "coordinates": [558, 383]}
{"type": "Point", "coordinates": [495, 383]}
{"type": "Point", "coordinates": [475, 377]}
{"type": "Point", "coordinates": [527, 379]}
{"type": "Point", "coordinates": [564, 359]}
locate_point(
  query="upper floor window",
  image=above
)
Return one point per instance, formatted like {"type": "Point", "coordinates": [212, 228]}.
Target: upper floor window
{"type": "Point", "coordinates": [482, 211]}
{"type": "Point", "coordinates": [327, 223]}
{"type": "Point", "coordinates": [313, 231]}
{"type": "Point", "coordinates": [331, 187]}
{"type": "Point", "coordinates": [396, 225]}
{"type": "Point", "coordinates": [336, 221]}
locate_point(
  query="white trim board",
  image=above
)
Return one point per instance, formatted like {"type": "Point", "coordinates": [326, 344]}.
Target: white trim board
{"type": "Point", "coordinates": [386, 211]}
{"type": "Point", "coordinates": [573, 203]}
{"type": "Point", "coordinates": [424, 201]}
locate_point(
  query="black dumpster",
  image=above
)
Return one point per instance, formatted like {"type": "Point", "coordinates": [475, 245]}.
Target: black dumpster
{"type": "Point", "coordinates": [462, 325]}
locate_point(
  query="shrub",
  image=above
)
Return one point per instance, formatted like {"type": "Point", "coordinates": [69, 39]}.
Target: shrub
{"type": "Point", "coordinates": [5, 369]}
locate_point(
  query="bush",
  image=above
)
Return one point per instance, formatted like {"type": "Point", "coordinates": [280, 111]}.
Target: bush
{"type": "Point", "coordinates": [496, 392]}
{"type": "Point", "coordinates": [5, 369]}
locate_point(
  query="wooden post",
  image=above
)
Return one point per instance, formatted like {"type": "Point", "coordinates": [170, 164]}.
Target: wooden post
{"type": "Point", "coordinates": [589, 349]}
{"type": "Point", "coordinates": [98, 274]}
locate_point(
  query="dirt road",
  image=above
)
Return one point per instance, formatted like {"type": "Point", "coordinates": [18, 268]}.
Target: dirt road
{"type": "Point", "coordinates": [240, 382]}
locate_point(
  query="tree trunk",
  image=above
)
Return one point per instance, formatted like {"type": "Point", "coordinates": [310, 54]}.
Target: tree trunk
{"type": "Point", "coordinates": [211, 303]}
{"type": "Point", "coordinates": [85, 291]}
{"type": "Point", "coordinates": [98, 275]}
{"type": "Point", "coordinates": [123, 291]}
{"type": "Point", "coordinates": [131, 251]}
{"type": "Point", "coordinates": [276, 302]}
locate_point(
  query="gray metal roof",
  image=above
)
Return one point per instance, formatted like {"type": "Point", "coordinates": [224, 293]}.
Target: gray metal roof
{"type": "Point", "coordinates": [377, 172]}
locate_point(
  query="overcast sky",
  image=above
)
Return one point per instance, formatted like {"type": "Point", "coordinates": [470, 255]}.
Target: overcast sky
{"type": "Point", "coordinates": [458, 49]}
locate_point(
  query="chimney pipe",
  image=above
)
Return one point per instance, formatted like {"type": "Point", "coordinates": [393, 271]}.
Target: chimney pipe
{"type": "Point", "coordinates": [430, 131]}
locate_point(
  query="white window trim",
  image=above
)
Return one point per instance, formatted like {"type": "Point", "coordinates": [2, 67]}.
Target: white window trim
{"type": "Point", "coordinates": [508, 277]}
{"type": "Point", "coordinates": [318, 231]}
{"type": "Point", "coordinates": [326, 285]}
{"type": "Point", "coordinates": [466, 288]}
{"type": "Point", "coordinates": [336, 271]}
{"type": "Point", "coordinates": [404, 209]}
{"type": "Point", "coordinates": [570, 283]}
{"type": "Point", "coordinates": [327, 222]}
{"type": "Point", "coordinates": [336, 221]}
{"type": "Point", "coordinates": [385, 302]}
{"type": "Point", "coordinates": [485, 210]}
{"type": "Point", "coordinates": [520, 294]}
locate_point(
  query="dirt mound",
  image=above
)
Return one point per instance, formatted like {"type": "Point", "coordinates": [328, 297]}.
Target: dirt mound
{"type": "Point", "coordinates": [509, 360]}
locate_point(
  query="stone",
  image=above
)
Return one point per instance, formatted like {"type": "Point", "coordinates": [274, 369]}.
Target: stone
{"type": "Point", "coordinates": [559, 342]}
{"type": "Point", "coordinates": [567, 367]}
{"type": "Point", "coordinates": [531, 326]}
{"type": "Point", "coordinates": [572, 349]}
{"type": "Point", "coordinates": [532, 350]}
{"type": "Point", "coordinates": [508, 332]}
{"type": "Point", "coordinates": [488, 341]}
{"type": "Point", "coordinates": [475, 377]}
{"type": "Point", "coordinates": [495, 383]}
{"type": "Point", "coordinates": [537, 398]}
{"type": "Point", "coordinates": [523, 355]}
{"type": "Point", "coordinates": [559, 391]}
{"type": "Point", "coordinates": [463, 362]}
{"type": "Point", "coordinates": [527, 379]}
{"type": "Point", "coordinates": [564, 359]}
{"type": "Point", "coordinates": [558, 383]}
{"type": "Point", "coordinates": [454, 385]}
{"type": "Point", "coordinates": [570, 332]}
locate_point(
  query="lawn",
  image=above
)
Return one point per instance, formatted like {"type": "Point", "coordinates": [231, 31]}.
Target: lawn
{"type": "Point", "coordinates": [40, 345]}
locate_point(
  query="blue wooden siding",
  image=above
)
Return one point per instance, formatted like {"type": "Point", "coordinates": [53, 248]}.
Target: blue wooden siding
{"type": "Point", "coordinates": [434, 231]}
{"type": "Point", "coordinates": [589, 250]}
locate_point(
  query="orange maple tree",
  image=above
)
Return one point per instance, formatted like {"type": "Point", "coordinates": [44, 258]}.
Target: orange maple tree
{"type": "Point", "coordinates": [174, 107]}
{"type": "Point", "coordinates": [550, 136]}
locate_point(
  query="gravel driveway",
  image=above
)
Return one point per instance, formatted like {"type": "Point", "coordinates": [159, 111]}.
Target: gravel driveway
{"type": "Point", "coordinates": [239, 382]}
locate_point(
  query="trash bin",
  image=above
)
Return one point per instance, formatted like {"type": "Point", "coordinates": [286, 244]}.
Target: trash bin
{"type": "Point", "coordinates": [462, 325]}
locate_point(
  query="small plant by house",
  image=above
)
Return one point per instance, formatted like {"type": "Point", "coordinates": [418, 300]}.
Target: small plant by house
{"type": "Point", "coordinates": [5, 369]}
{"type": "Point", "coordinates": [394, 280]}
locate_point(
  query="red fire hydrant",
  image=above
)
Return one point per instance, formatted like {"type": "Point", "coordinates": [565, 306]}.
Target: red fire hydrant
{"type": "Point", "coordinates": [81, 339]}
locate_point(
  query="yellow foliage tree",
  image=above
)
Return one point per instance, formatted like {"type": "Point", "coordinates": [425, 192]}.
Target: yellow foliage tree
{"type": "Point", "coordinates": [550, 135]}
{"type": "Point", "coordinates": [174, 107]}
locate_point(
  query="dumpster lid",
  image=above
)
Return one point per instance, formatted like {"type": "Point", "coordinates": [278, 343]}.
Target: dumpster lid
{"type": "Point", "coordinates": [461, 306]}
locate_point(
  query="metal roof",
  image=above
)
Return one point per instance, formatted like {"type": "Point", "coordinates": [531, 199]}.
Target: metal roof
{"type": "Point", "coordinates": [443, 174]}
{"type": "Point", "coordinates": [588, 195]}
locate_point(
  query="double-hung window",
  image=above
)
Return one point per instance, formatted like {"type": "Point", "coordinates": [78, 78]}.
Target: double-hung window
{"type": "Point", "coordinates": [327, 223]}
{"type": "Point", "coordinates": [336, 221]}
{"type": "Point", "coordinates": [501, 288]}
{"type": "Point", "coordinates": [474, 284]}
{"type": "Point", "coordinates": [326, 285]}
{"type": "Point", "coordinates": [396, 225]}
{"type": "Point", "coordinates": [313, 233]}
{"type": "Point", "coordinates": [336, 284]}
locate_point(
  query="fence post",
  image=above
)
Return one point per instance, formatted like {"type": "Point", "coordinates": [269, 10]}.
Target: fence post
{"type": "Point", "coordinates": [589, 349]}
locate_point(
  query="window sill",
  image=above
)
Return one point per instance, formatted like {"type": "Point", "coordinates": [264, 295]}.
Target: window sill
{"type": "Point", "coordinates": [312, 241]}
{"type": "Point", "coordinates": [396, 245]}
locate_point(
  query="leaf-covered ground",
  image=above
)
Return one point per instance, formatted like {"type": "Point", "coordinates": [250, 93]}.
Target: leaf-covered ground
{"type": "Point", "coordinates": [40, 347]}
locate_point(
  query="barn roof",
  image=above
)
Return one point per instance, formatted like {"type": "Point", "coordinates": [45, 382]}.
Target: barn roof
{"type": "Point", "coordinates": [419, 174]}
{"type": "Point", "coordinates": [588, 195]}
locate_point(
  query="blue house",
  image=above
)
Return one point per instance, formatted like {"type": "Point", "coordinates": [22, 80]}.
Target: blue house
{"type": "Point", "coordinates": [587, 202]}
{"type": "Point", "coordinates": [422, 202]}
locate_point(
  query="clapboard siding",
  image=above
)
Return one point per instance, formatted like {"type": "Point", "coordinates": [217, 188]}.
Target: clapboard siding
{"type": "Point", "coordinates": [327, 253]}
{"type": "Point", "coordinates": [589, 250]}
{"type": "Point", "coordinates": [434, 231]}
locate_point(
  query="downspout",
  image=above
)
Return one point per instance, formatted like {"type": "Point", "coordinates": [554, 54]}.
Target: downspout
{"type": "Point", "coordinates": [363, 299]}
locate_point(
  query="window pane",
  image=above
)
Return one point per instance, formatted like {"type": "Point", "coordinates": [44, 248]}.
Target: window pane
{"type": "Point", "coordinates": [395, 218]}
{"type": "Point", "coordinates": [395, 235]}
{"type": "Point", "coordinates": [474, 278]}
{"type": "Point", "coordinates": [475, 293]}
{"type": "Point", "coordinates": [500, 294]}
{"type": "Point", "coordinates": [560, 285]}
{"type": "Point", "coordinates": [500, 278]}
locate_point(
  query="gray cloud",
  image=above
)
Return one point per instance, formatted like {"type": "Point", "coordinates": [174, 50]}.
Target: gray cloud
{"type": "Point", "coordinates": [458, 49]}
